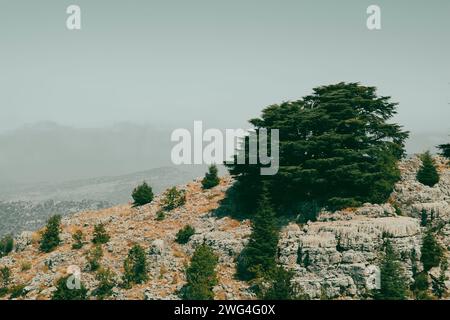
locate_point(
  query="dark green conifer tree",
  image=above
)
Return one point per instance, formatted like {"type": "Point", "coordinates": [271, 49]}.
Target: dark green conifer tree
{"type": "Point", "coordinates": [432, 252]}
{"type": "Point", "coordinates": [438, 285]}
{"type": "Point", "coordinates": [65, 292]}
{"type": "Point", "coordinates": [135, 266]}
{"type": "Point", "coordinates": [281, 287]}
{"type": "Point", "coordinates": [392, 279]}
{"type": "Point", "coordinates": [201, 275]}
{"type": "Point", "coordinates": [259, 256]}
{"type": "Point", "coordinates": [142, 194]}
{"type": "Point", "coordinates": [50, 239]}
{"type": "Point", "coordinates": [427, 173]}
{"type": "Point", "coordinates": [100, 234]}
{"type": "Point", "coordinates": [211, 178]}
{"type": "Point", "coordinates": [337, 149]}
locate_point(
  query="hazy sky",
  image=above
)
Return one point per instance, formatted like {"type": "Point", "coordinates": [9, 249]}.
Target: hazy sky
{"type": "Point", "coordinates": [218, 61]}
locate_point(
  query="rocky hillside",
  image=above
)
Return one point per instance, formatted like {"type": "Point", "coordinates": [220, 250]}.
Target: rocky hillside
{"type": "Point", "coordinates": [335, 257]}
{"type": "Point", "coordinates": [27, 207]}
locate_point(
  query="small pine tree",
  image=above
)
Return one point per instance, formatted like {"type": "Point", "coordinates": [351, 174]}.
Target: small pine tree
{"type": "Point", "coordinates": [201, 275]}
{"type": "Point", "coordinates": [135, 266]}
{"type": "Point", "coordinates": [5, 276]}
{"type": "Point", "coordinates": [438, 285]}
{"type": "Point", "coordinates": [160, 215]}
{"type": "Point", "coordinates": [185, 234]}
{"type": "Point", "coordinates": [427, 173]}
{"type": "Point", "coordinates": [393, 280]}
{"type": "Point", "coordinates": [6, 245]}
{"type": "Point", "coordinates": [94, 256]}
{"type": "Point", "coordinates": [281, 287]}
{"type": "Point", "coordinates": [50, 239]}
{"type": "Point", "coordinates": [211, 178]}
{"type": "Point", "coordinates": [106, 283]}
{"type": "Point", "coordinates": [142, 195]}
{"type": "Point", "coordinates": [5, 279]}
{"type": "Point", "coordinates": [420, 286]}
{"type": "Point", "coordinates": [174, 199]}
{"type": "Point", "coordinates": [423, 218]}
{"type": "Point", "coordinates": [432, 252]}
{"type": "Point", "coordinates": [78, 240]}
{"type": "Point", "coordinates": [259, 256]}
{"type": "Point", "coordinates": [64, 292]}
{"type": "Point", "coordinates": [100, 234]}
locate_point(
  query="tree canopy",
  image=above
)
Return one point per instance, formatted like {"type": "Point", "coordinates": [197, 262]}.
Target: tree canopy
{"type": "Point", "coordinates": [201, 275]}
{"type": "Point", "coordinates": [445, 150]}
{"type": "Point", "coordinates": [394, 284]}
{"type": "Point", "coordinates": [427, 173]}
{"type": "Point", "coordinates": [336, 149]}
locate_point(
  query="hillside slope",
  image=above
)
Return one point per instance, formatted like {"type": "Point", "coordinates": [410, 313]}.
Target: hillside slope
{"type": "Point", "coordinates": [343, 248]}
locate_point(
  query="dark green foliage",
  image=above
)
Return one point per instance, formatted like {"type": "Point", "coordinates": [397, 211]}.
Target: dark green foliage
{"type": "Point", "coordinates": [438, 284]}
{"type": "Point", "coordinates": [50, 239]}
{"type": "Point", "coordinates": [17, 291]}
{"type": "Point", "coordinates": [423, 218]}
{"type": "Point", "coordinates": [281, 286]}
{"type": "Point", "coordinates": [432, 252]}
{"type": "Point", "coordinates": [445, 150]}
{"type": "Point", "coordinates": [5, 277]}
{"type": "Point", "coordinates": [337, 149]}
{"type": "Point", "coordinates": [201, 275]}
{"type": "Point", "coordinates": [185, 234]}
{"type": "Point", "coordinates": [398, 211]}
{"type": "Point", "coordinates": [135, 266]}
{"type": "Point", "coordinates": [63, 291]}
{"type": "Point", "coordinates": [94, 256]}
{"type": "Point", "coordinates": [106, 282]}
{"type": "Point", "coordinates": [420, 286]}
{"type": "Point", "coordinates": [78, 240]}
{"type": "Point", "coordinates": [427, 173]}
{"type": "Point", "coordinates": [393, 281]}
{"type": "Point", "coordinates": [142, 195]}
{"type": "Point", "coordinates": [174, 199]}
{"type": "Point", "coordinates": [303, 257]}
{"type": "Point", "coordinates": [6, 245]}
{"type": "Point", "coordinates": [259, 256]}
{"type": "Point", "coordinates": [100, 234]}
{"type": "Point", "coordinates": [160, 215]}
{"type": "Point", "coordinates": [211, 178]}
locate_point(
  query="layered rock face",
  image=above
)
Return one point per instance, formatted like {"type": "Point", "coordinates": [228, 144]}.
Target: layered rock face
{"type": "Point", "coordinates": [335, 257]}
{"type": "Point", "coordinates": [339, 255]}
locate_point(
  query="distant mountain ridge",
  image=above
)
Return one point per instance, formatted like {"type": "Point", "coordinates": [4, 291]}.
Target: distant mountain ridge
{"type": "Point", "coordinates": [27, 207]}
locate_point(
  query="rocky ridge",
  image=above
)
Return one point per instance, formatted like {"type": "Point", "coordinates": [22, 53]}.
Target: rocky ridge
{"type": "Point", "coordinates": [336, 256]}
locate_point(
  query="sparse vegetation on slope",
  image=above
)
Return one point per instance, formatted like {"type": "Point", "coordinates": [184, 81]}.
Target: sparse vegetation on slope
{"type": "Point", "coordinates": [142, 195]}
{"type": "Point", "coordinates": [173, 198]}
{"type": "Point", "coordinates": [211, 178]}
{"type": "Point", "coordinates": [135, 266]}
{"type": "Point", "coordinates": [185, 234]}
{"type": "Point", "coordinates": [50, 239]}
{"type": "Point", "coordinates": [67, 288]}
{"type": "Point", "coordinates": [100, 234]}
{"type": "Point", "coordinates": [201, 275]}
{"type": "Point", "coordinates": [78, 240]}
